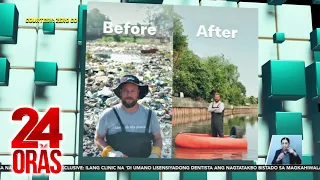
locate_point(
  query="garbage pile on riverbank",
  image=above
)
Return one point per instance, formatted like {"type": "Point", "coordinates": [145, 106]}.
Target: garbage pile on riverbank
{"type": "Point", "coordinates": [106, 63]}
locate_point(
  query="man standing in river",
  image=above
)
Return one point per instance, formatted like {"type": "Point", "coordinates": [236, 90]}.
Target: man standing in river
{"type": "Point", "coordinates": [216, 108]}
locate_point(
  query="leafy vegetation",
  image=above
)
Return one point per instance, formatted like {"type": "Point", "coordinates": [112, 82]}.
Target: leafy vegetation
{"type": "Point", "coordinates": [196, 77]}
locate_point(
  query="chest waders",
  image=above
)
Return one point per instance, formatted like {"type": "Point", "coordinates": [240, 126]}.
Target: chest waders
{"type": "Point", "coordinates": [217, 124]}
{"type": "Point", "coordinates": [132, 144]}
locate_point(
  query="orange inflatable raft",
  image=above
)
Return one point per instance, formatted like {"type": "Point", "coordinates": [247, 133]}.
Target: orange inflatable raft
{"type": "Point", "coordinates": [206, 141]}
{"type": "Point", "coordinates": [187, 153]}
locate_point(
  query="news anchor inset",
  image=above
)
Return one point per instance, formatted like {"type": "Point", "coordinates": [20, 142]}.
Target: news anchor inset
{"type": "Point", "coordinates": [286, 154]}
{"type": "Point", "coordinates": [130, 129]}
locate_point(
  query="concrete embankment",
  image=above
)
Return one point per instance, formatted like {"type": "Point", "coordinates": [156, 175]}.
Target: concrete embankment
{"type": "Point", "coordinates": [187, 111]}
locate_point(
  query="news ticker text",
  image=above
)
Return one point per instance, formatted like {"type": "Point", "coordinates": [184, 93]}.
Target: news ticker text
{"type": "Point", "coordinates": [170, 168]}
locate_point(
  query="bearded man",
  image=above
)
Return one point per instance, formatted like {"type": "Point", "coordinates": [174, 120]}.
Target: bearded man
{"type": "Point", "coordinates": [129, 129]}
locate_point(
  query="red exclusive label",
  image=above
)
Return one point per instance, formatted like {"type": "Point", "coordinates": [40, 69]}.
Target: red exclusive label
{"type": "Point", "coordinates": [30, 156]}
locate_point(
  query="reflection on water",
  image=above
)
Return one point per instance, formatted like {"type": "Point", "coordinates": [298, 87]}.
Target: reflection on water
{"type": "Point", "coordinates": [185, 153]}
{"type": "Point", "coordinates": [249, 124]}
{"type": "Point", "coordinates": [126, 57]}
{"type": "Point", "coordinates": [119, 57]}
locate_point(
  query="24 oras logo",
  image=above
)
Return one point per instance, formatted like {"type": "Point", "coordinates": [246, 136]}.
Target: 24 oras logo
{"type": "Point", "coordinates": [31, 156]}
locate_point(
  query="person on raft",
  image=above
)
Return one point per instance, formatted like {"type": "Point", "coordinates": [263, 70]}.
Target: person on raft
{"type": "Point", "coordinates": [216, 109]}
{"type": "Point", "coordinates": [129, 129]}
{"type": "Point", "coordinates": [286, 155]}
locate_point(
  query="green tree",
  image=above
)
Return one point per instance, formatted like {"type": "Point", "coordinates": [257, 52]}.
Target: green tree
{"type": "Point", "coordinates": [95, 19]}
{"type": "Point", "coordinates": [163, 17]}
{"type": "Point", "coordinates": [252, 100]}
{"type": "Point", "coordinates": [223, 77]}
{"type": "Point", "coordinates": [189, 76]}
{"type": "Point", "coordinates": [196, 77]}
{"type": "Point", "coordinates": [160, 17]}
{"type": "Point", "coordinates": [180, 41]}
{"type": "Point", "coordinates": [242, 88]}
{"type": "Point", "coordinates": [117, 38]}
